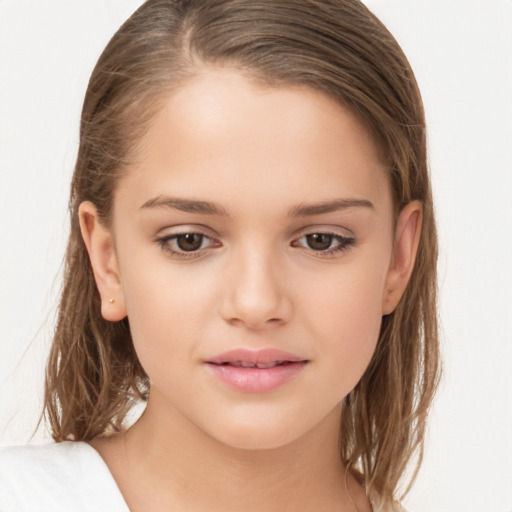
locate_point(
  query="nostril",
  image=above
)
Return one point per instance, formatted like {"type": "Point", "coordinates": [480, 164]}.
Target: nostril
{"type": "Point", "coordinates": [266, 322]}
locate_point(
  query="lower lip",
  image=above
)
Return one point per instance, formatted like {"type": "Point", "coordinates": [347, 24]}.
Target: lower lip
{"type": "Point", "coordinates": [256, 380]}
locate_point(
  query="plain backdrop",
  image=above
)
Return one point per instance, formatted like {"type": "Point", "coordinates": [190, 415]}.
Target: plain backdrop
{"type": "Point", "coordinates": [461, 51]}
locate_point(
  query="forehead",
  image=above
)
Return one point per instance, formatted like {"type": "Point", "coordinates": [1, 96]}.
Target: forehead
{"type": "Point", "coordinates": [223, 134]}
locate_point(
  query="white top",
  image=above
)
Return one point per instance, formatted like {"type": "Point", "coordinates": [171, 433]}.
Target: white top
{"type": "Point", "coordinates": [63, 477]}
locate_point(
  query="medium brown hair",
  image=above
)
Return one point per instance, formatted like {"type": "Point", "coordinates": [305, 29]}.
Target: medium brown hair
{"type": "Point", "coordinates": [335, 46]}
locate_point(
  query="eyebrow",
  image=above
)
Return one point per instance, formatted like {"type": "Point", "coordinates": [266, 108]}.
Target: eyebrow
{"type": "Point", "coordinates": [305, 210]}
{"type": "Point", "coordinates": [209, 208]}
{"type": "Point", "coordinates": [186, 205]}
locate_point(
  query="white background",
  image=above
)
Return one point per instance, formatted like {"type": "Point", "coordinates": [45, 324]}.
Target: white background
{"type": "Point", "coordinates": [461, 51]}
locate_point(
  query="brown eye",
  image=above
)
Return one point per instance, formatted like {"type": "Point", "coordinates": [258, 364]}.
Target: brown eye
{"type": "Point", "coordinates": [189, 245]}
{"type": "Point", "coordinates": [324, 244]}
{"type": "Point", "coordinates": [189, 241]}
{"type": "Point", "coordinates": [319, 241]}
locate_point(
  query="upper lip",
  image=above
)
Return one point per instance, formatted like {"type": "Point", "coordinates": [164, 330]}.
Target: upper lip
{"type": "Point", "coordinates": [263, 356]}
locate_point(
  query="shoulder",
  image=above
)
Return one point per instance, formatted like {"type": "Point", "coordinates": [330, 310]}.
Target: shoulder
{"type": "Point", "coordinates": [68, 476]}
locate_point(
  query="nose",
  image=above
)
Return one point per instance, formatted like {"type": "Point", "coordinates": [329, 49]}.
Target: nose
{"type": "Point", "coordinates": [255, 291]}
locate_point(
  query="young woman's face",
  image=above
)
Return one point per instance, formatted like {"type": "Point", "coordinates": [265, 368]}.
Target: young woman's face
{"type": "Point", "coordinates": [253, 237]}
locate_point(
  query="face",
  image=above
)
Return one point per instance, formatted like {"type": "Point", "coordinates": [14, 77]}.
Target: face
{"type": "Point", "coordinates": [253, 254]}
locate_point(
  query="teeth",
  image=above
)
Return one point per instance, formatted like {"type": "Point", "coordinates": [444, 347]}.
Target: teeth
{"type": "Point", "coordinates": [267, 365]}
{"type": "Point", "coordinates": [246, 364]}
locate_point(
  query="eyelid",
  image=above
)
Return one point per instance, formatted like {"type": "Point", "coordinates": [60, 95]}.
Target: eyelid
{"type": "Point", "coordinates": [170, 229]}
{"type": "Point", "coordinates": [327, 229]}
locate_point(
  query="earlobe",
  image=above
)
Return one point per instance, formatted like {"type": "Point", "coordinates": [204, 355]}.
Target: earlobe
{"type": "Point", "coordinates": [406, 242]}
{"type": "Point", "coordinates": [100, 247]}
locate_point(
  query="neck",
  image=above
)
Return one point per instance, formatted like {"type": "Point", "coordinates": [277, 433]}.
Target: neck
{"type": "Point", "coordinates": [183, 468]}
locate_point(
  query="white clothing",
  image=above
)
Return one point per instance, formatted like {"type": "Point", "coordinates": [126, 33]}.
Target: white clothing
{"type": "Point", "coordinates": [63, 477]}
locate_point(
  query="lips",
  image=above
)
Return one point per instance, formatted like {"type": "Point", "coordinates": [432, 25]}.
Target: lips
{"type": "Point", "coordinates": [246, 364]}
{"type": "Point", "coordinates": [256, 371]}
{"type": "Point", "coordinates": [263, 356]}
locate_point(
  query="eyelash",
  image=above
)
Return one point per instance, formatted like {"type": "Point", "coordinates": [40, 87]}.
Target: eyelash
{"type": "Point", "coordinates": [344, 244]}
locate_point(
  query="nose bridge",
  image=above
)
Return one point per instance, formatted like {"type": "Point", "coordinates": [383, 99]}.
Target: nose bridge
{"type": "Point", "coordinates": [256, 293]}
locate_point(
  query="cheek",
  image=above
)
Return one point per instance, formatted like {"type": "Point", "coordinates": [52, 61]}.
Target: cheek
{"type": "Point", "coordinates": [168, 309]}
{"type": "Point", "coordinates": [345, 317]}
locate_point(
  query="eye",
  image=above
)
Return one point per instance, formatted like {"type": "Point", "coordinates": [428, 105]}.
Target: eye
{"type": "Point", "coordinates": [319, 241]}
{"type": "Point", "coordinates": [186, 245]}
{"type": "Point", "coordinates": [189, 241]}
{"type": "Point", "coordinates": [324, 243]}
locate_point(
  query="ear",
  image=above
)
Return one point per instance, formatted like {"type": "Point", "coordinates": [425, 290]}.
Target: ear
{"type": "Point", "coordinates": [407, 238]}
{"type": "Point", "coordinates": [100, 246]}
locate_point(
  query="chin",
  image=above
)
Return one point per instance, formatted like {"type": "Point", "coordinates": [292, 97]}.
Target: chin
{"type": "Point", "coordinates": [250, 439]}
{"type": "Point", "coordinates": [259, 433]}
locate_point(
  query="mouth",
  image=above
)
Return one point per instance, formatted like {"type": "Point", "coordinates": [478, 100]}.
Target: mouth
{"type": "Point", "coordinates": [263, 358]}
{"type": "Point", "coordinates": [261, 366]}
{"type": "Point", "coordinates": [256, 371]}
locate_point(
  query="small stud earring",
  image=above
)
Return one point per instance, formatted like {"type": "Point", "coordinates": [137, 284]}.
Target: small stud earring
{"type": "Point", "coordinates": [111, 302]}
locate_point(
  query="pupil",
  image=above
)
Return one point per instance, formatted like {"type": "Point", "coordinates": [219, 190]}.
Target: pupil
{"type": "Point", "coordinates": [319, 241]}
{"type": "Point", "coordinates": [190, 241]}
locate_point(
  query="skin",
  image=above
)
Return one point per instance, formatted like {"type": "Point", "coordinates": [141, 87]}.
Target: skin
{"type": "Point", "coordinates": [258, 154]}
